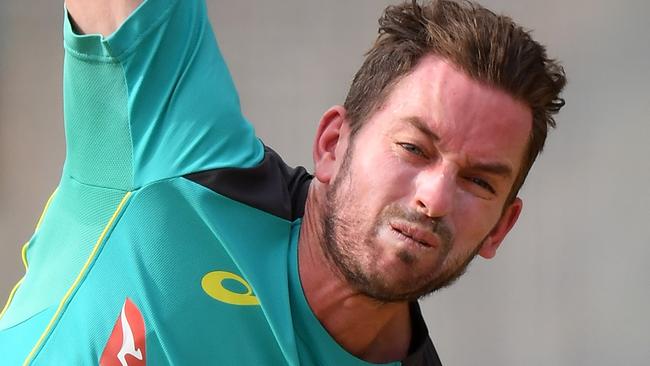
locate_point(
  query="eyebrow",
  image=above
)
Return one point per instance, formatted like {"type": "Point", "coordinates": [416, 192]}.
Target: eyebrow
{"type": "Point", "coordinates": [500, 169]}
{"type": "Point", "coordinates": [418, 123]}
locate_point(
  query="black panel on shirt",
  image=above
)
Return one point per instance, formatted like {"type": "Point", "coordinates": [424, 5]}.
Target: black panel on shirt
{"type": "Point", "coordinates": [271, 186]}
{"type": "Point", "coordinates": [421, 351]}
{"type": "Point", "coordinates": [274, 187]}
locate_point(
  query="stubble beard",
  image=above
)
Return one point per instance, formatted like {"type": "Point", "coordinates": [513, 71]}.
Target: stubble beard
{"type": "Point", "coordinates": [354, 261]}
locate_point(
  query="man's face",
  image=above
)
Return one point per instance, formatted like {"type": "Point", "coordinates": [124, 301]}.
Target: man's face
{"type": "Point", "coordinates": [422, 187]}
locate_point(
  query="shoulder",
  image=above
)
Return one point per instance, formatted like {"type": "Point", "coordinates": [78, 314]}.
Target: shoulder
{"type": "Point", "coordinates": [271, 186]}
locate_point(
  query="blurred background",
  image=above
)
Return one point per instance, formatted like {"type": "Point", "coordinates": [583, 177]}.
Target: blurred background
{"type": "Point", "coordinates": [571, 284]}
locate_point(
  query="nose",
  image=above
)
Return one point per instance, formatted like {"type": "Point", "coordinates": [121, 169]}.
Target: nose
{"type": "Point", "coordinates": [435, 188]}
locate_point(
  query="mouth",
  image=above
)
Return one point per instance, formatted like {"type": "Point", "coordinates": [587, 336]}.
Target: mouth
{"type": "Point", "coordinates": [415, 234]}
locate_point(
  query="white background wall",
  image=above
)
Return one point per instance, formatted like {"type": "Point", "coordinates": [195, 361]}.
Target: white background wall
{"type": "Point", "coordinates": [571, 285]}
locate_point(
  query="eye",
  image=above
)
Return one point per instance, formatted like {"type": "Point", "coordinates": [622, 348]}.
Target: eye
{"type": "Point", "coordinates": [410, 148]}
{"type": "Point", "coordinates": [482, 183]}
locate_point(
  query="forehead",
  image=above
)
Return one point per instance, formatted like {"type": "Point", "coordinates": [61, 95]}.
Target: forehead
{"type": "Point", "coordinates": [472, 119]}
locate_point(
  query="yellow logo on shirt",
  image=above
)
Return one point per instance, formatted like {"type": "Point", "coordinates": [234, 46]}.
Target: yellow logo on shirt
{"type": "Point", "coordinates": [212, 284]}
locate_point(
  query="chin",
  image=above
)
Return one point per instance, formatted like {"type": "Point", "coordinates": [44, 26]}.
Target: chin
{"type": "Point", "coordinates": [397, 280]}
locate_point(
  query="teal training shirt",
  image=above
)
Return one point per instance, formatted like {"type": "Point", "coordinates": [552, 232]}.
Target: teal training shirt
{"type": "Point", "coordinates": [172, 236]}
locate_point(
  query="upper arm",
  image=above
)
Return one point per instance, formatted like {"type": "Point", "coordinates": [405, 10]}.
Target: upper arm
{"type": "Point", "coordinates": [99, 16]}
{"type": "Point", "coordinates": [151, 101]}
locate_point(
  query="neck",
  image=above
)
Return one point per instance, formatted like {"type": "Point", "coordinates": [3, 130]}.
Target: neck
{"type": "Point", "coordinates": [365, 327]}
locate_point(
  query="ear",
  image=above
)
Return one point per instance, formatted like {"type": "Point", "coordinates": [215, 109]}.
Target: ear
{"type": "Point", "coordinates": [506, 222]}
{"type": "Point", "coordinates": [330, 143]}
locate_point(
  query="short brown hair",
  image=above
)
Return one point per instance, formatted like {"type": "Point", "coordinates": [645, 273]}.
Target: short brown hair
{"type": "Point", "coordinates": [490, 48]}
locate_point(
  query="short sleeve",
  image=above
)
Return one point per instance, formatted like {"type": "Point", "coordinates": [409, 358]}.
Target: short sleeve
{"type": "Point", "coordinates": [153, 100]}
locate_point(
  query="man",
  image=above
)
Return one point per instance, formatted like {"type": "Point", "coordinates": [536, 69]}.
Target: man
{"type": "Point", "coordinates": [176, 237]}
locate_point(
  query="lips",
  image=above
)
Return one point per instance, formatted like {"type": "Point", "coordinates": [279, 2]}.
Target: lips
{"type": "Point", "coordinates": [418, 234]}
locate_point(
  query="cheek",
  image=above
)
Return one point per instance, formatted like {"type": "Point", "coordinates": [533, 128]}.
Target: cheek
{"type": "Point", "coordinates": [385, 176]}
{"type": "Point", "coordinates": [474, 219]}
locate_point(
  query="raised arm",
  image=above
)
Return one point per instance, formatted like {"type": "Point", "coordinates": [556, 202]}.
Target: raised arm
{"type": "Point", "coordinates": [99, 16]}
{"type": "Point", "coordinates": [151, 98]}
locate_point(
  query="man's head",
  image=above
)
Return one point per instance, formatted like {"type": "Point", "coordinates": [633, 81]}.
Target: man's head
{"type": "Point", "coordinates": [421, 166]}
{"type": "Point", "coordinates": [490, 48]}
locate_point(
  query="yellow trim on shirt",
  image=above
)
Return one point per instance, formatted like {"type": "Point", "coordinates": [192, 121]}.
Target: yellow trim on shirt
{"type": "Point", "coordinates": [77, 281]}
{"type": "Point", "coordinates": [24, 255]}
